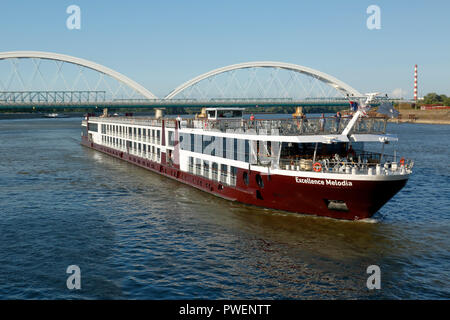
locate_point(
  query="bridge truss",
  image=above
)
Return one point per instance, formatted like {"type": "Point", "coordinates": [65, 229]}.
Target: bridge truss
{"type": "Point", "coordinates": [35, 79]}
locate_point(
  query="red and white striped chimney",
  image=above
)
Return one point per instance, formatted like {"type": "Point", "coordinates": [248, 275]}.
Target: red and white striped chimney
{"type": "Point", "coordinates": [415, 83]}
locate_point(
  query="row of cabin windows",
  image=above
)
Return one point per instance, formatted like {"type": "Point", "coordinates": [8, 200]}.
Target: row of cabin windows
{"type": "Point", "coordinates": [119, 129]}
{"type": "Point", "coordinates": [228, 148]}
{"type": "Point", "coordinates": [209, 169]}
{"type": "Point", "coordinates": [136, 146]}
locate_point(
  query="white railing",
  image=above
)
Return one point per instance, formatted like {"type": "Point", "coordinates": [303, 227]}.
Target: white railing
{"type": "Point", "coordinates": [401, 167]}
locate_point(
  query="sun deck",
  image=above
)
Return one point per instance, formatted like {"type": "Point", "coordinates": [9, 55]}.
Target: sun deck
{"type": "Point", "coordinates": [278, 127]}
{"type": "Point", "coordinates": [288, 127]}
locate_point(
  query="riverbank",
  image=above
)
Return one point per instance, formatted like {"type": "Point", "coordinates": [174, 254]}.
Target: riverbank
{"type": "Point", "coordinates": [423, 116]}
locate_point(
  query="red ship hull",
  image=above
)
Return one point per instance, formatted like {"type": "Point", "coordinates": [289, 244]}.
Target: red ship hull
{"type": "Point", "coordinates": [279, 192]}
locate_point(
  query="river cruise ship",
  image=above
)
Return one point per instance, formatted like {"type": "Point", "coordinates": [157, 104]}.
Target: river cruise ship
{"type": "Point", "coordinates": [316, 166]}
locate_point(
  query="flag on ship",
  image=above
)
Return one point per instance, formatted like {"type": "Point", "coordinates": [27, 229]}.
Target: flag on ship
{"type": "Point", "coordinates": [353, 105]}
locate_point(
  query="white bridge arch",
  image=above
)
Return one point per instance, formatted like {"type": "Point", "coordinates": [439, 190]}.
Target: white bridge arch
{"type": "Point", "coordinates": [332, 81]}
{"type": "Point", "coordinates": [81, 62]}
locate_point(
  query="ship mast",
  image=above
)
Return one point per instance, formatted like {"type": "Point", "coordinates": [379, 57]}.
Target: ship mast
{"type": "Point", "coordinates": [359, 113]}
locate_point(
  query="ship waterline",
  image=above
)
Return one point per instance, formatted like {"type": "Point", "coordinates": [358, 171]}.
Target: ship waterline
{"type": "Point", "coordinates": [310, 168]}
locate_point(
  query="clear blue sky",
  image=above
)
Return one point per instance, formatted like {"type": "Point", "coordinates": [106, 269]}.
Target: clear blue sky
{"type": "Point", "coordinates": [161, 44]}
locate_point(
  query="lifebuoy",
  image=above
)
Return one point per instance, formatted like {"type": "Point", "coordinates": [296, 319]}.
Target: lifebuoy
{"type": "Point", "coordinates": [317, 167]}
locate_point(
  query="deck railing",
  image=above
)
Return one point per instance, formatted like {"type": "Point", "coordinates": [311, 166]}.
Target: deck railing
{"type": "Point", "coordinates": [288, 127]}
{"type": "Point", "coordinates": [363, 163]}
{"type": "Point", "coordinates": [284, 127]}
{"type": "Point", "coordinates": [144, 121]}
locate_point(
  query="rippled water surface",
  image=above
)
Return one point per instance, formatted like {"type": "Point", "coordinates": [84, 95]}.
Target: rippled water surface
{"type": "Point", "coordinates": [137, 235]}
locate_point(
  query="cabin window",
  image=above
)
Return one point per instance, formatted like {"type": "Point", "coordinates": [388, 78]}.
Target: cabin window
{"type": "Point", "coordinates": [229, 148]}
{"type": "Point", "coordinates": [211, 113]}
{"type": "Point", "coordinates": [198, 166]}
{"type": "Point", "coordinates": [181, 140]}
{"type": "Point", "coordinates": [240, 151]}
{"type": "Point", "coordinates": [245, 178]}
{"type": "Point", "coordinates": [233, 174]}
{"type": "Point", "coordinates": [224, 147]}
{"type": "Point", "coordinates": [206, 168]}
{"type": "Point", "coordinates": [259, 181]}
{"type": "Point", "coordinates": [229, 114]}
{"type": "Point", "coordinates": [237, 114]}
{"type": "Point", "coordinates": [92, 127]}
{"type": "Point", "coordinates": [191, 165]}
{"type": "Point", "coordinates": [223, 173]}
{"type": "Point", "coordinates": [192, 138]}
{"type": "Point", "coordinates": [171, 138]}
{"type": "Point", "coordinates": [198, 143]}
{"type": "Point", "coordinates": [208, 145]}
{"type": "Point", "coordinates": [306, 150]}
{"type": "Point", "coordinates": [213, 146]}
{"type": "Point", "coordinates": [247, 151]}
{"type": "Point", "coordinates": [215, 168]}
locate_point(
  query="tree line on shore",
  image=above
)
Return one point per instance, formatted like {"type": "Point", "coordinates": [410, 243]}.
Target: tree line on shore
{"type": "Point", "coordinates": [434, 98]}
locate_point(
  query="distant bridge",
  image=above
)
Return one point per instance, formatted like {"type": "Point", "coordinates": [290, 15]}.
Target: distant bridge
{"type": "Point", "coordinates": [163, 103]}
{"type": "Point", "coordinates": [296, 86]}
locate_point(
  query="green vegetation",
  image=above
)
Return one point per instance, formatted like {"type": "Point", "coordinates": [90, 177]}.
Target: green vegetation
{"type": "Point", "coordinates": [434, 98]}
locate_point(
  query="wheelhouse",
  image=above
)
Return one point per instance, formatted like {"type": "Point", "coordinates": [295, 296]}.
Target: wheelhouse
{"type": "Point", "coordinates": [224, 113]}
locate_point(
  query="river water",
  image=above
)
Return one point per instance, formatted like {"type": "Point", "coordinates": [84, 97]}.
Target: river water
{"type": "Point", "coordinates": [137, 235]}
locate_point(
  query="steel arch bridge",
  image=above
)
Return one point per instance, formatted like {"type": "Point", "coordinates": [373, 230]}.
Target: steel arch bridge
{"type": "Point", "coordinates": [81, 62]}
{"type": "Point", "coordinates": [332, 81]}
{"type": "Point", "coordinates": [28, 98]}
